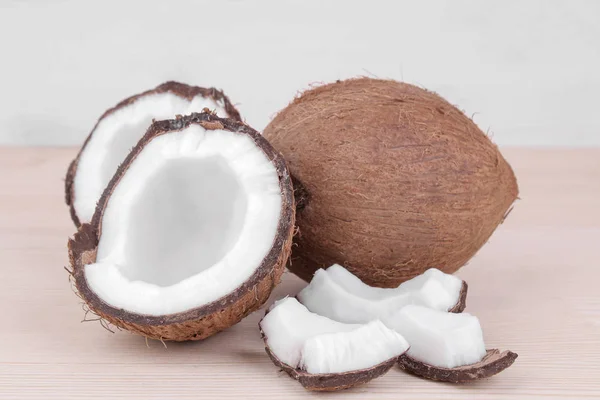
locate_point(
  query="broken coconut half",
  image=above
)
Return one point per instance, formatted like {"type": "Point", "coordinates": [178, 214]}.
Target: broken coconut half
{"type": "Point", "coordinates": [445, 346]}
{"type": "Point", "coordinates": [120, 128]}
{"type": "Point", "coordinates": [192, 232]}
{"type": "Point", "coordinates": [338, 294]}
{"type": "Point", "coordinates": [325, 355]}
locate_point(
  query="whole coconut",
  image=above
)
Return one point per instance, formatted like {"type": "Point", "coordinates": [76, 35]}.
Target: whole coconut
{"type": "Point", "coordinates": [391, 180]}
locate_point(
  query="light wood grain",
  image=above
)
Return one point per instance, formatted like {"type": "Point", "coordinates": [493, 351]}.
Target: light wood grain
{"type": "Point", "coordinates": [534, 286]}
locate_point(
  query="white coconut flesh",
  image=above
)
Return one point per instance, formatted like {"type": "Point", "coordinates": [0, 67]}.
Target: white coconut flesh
{"type": "Point", "coordinates": [338, 294]}
{"type": "Point", "coordinates": [116, 134]}
{"type": "Point", "coordinates": [439, 338]}
{"type": "Point", "coordinates": [319, 345]}
{"type": "Point", "coordinates": [191, 220]}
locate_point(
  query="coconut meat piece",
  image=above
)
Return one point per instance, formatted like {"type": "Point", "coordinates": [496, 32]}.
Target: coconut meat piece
{"type": "Point", "coordinates": [325, 297]}
{"type": "Point", "coordinates": [369, 345]}
{"type": "Point", "coordinates": [438, 338]}
{"type": "Point", "coordinates": [340, 295]}
{"type": "Point", "coordinates": [116, 134]}
{"type": "Point", "coordinates": [433, 288]}
{"type": "Point", "coordinates": [188, 223]}
{"type": "Point", "coordinates": [319, 345]}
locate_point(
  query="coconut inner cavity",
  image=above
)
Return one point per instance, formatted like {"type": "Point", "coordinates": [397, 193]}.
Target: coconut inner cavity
{"type": "Point", "coordinates": [187, 218]}
{"type": "Point", "coordinates": [190, 221]}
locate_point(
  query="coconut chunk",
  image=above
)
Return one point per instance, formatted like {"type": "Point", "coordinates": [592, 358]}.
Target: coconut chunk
{"type": "Point", "coordinates": [439, 338]}
{"type": "Point", "coordinates": [324, 354]}
{"type": "Point", "coordinates": [446, 346]}
{"type": "Point", "coordinates": [118, 131]}
{"type": "Point", "coordinates": [192, 232]}
{"type": "Point", "coordinates": [288, 324]}
{"type": "Point", "coordinates": [364, 347]}
{"type": "Point", "coordinates": [338, 294]}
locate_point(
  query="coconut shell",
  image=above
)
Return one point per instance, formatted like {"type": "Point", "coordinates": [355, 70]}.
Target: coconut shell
{"type": "Point", "coordinates": [461, 304]}
{"type": "Point", "coordinates": [204, 321]}
{"type": "Point", "coordinates": [392, 179]}
{"type": "Point", "coordinates": [492, 363]}
{"type": "Point", "coordinates": [179, 89]}
{"type": "Point", "coordinates": [333, 382]}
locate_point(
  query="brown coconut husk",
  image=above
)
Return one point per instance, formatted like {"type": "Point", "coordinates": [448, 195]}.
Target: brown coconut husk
{"type": "Point", "coordinates": [394, 180]}
{"type": "Point", "coordinates": [204, 321]}
{"type": "Point", "coordinates": [179, 89]}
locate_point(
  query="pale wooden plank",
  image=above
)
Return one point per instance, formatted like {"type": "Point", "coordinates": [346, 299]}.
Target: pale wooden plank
{"type": "Point", "coordinates": [534, 287]}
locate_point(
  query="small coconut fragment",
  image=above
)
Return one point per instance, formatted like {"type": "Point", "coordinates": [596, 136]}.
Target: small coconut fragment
{"type": "Point", "coordinates": [338, 294]}
{"type": "Point", "coordinates": [120, 128]}
{"type": "Point", "coordinates": [325, 355]}
{"type": "Point", "coordinates": [446, 347]}
{"type": "Point", "coordinates": [192, 232]}
{"type": "Point", "coordinates": [393, 179]}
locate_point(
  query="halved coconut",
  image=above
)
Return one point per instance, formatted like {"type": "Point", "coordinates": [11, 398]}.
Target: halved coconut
{"type": "Point", "coordinates": [120, 128]}
{"type": "Point", "coordinates": [325, 355]}
{"type": "Point", "coordinates": [338, 294]}
{"type": "Point", "coordinates": [446, 347]}
{"type": "Point", "coordinates": [191, 234]}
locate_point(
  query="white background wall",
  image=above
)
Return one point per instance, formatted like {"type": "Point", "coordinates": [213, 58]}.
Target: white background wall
{"type": "Point", "coordinates": [528, 69]}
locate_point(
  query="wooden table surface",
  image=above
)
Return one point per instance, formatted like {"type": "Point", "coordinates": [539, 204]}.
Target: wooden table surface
{"type": "Point", "coordinates": [534, 286]}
